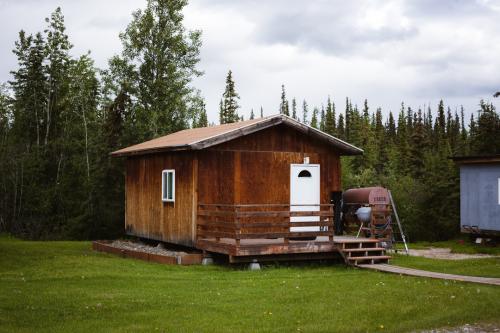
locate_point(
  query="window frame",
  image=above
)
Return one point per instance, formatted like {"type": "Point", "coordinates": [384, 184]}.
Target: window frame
{"type": "Point", "coordinates": [164, 186]}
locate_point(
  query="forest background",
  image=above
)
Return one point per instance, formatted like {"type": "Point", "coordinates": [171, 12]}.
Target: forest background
{"type": "Point", "coordinates": [60, 117]}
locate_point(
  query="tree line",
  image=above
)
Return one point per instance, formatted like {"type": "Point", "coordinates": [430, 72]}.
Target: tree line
{"type": "Point", "coordinates": [408, 152]}
{"type": "Point", "coordinates": [61, 116]}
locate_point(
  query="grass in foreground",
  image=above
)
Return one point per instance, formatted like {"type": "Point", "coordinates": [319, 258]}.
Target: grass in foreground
{"type": "Point", "coordinates": [65, 287]}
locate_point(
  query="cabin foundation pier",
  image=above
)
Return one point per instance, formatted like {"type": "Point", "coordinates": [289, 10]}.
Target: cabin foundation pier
{"type": "Point", "coordinates": [254, 265]}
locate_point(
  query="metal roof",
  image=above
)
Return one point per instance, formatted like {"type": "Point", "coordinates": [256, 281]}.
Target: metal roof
{"type": "Point", "coordinates": [204, 137]}
{"type": "Point", "coordinates": [478, 159]}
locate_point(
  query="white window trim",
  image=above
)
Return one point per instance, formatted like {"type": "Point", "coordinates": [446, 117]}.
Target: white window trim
{"type": "Point", "coordinates": [164, 196]}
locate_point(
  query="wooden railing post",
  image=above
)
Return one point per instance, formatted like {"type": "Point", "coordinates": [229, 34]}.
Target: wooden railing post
{"type": "Point", "coordinates": [287, 219]}
{"type": "Point", "coordinates": [217, 219]}
{"type": "Point", "coordinates": [237, 225]}
{"type": "Point", "coordinates": [331, 226]}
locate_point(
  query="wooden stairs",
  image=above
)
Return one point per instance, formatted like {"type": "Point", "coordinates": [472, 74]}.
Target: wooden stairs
{"type": "Point", "coordinates": [361, 251]}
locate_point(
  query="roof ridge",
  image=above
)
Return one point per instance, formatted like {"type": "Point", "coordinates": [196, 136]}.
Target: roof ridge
{"type": "Point", "coordinates": [204, 137]}
{"type": "Point", "coordinates": [234, 129]}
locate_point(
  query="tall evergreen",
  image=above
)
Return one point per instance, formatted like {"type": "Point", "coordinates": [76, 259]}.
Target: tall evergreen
{"type": "Point", "coordinates": [322, 119]}
{"type": "Point", "coordinates": [417, 147]}
{"type": "Point", "coordinates": [294, 108]}
{"type": "Point", "coordinates": [314, 118]}
{"type": "Point", "coordinates": [340, 127]}
{"type": "Point", "coordinates": [284, 109]}
{"type": "Point", "coordinates": [229, 103]}
{"type": "Point", "coordinates": [463, 134]}
{"type": "Point", "coordinates": [485, 137]}
{"type": "Point", "coordinates": [440, 123]}
{"type": "Point", "coordinates": [330, 117]}
{"type": "Point", "coordinates": [391, 128]}
{"type": "Point", "coordinates": [305, 112]}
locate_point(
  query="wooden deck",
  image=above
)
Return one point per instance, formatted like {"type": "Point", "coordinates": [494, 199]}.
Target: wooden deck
{"type": "Point", "coordinates": [261, 246]}
{"type": "Point", "coordinates": [260, 230]}
{"type": "Point", "coordinates": [245, 231]}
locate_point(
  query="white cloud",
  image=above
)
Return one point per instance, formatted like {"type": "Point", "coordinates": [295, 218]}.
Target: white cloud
{"type": "Point", "coordinates": [416, 50]}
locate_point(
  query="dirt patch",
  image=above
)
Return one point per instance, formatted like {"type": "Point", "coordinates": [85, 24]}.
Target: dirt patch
{"type": "Point", "coordinates": [467, 328]}
{"type": "Point", "coordinates": [445, 253]}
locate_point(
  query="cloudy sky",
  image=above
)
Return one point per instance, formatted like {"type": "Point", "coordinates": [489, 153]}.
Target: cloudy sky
{"type": "Point", "coordinates": [386, 51]}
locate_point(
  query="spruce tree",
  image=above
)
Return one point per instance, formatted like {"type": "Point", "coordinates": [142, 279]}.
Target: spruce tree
{"type": "Point", "coordinates": [391, 128]}
{"type": "Point", "coordinates": [252, 115]}
{"type": "Point", "coordinates": [440, 122]}
{"type": "Point", "coordinates": [340, 127]}
{"type": "Point", "coordinates": [305, 111]}
{"type": "Point", "coordinates": [322, 119]}
{"type": "Point", "coordinates": [314, 118]}
{"type": "Point", "coordinates": [229, 103]}
{"type": "Point", "coordinates": [463, 134]}
{"type": "Point", "coordinates": [31, 89]}
{"type": "Point", "coordinates": [417, 147]}
{"type": "Point", "coordinates": [485, 138]}
{"type": "Point", "coordinates": [330, 118]}
{"type": "Point", "coordinates": [284, 102]}
{"type": "Point", "coordinates": [348, 111]}
{"type": "Point", "coordinates": [222, 116]}
{"type": "Point", "coordinates": [294, 108]}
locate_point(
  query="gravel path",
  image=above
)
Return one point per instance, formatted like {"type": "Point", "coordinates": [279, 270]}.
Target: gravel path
{"type": "Point", "coordinates": [159, 249]}
{"type": "Point", "coordinates": [444, 253]}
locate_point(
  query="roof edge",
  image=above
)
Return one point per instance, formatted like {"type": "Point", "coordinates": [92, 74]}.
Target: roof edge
{"type": "Point", "coordinates": [476, 159]}
{"type": "Point", "coordinates": [345, 149]}
{"type": "Point", "coordinates": [237, 132]}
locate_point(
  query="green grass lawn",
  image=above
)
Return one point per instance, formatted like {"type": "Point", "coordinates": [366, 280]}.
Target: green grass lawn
{"type": "Point", "coordinates": [65, 287]}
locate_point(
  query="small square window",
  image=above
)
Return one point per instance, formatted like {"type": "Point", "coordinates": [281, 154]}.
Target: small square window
{"type": "Point", "coordinates": [168, 185]}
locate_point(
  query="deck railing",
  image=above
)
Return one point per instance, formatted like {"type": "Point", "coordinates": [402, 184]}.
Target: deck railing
{"type": "Point", "coordinates": [264, 221]}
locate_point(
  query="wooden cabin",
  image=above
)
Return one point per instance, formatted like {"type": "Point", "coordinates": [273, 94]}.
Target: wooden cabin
{"type": "Point", "coordinates": [255, 187]}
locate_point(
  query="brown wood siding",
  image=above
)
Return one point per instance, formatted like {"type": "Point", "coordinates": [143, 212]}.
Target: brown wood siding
{"type": "Point", "coordinates": [146, 215]}
{"type": "Point", "coordinates": [265, 176]}
{"type": "Point", "coordinates": [279, 139]}
{"type": "Point", "coordinates": [259, 163]}
{"type": "Point", "coordinates": [216, 177]}
{"type": "Point", "coordinates": [254, 169]}
{"type": "Point", "coordinates": [231, 177]}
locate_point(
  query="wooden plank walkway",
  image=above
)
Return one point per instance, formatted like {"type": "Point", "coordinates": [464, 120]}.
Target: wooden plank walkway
{"type": "Point", "coordinates": [434, 275]}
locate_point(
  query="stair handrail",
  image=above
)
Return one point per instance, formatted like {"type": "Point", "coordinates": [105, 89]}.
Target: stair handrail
{"type": "Point", "coordinates": [399, 223]}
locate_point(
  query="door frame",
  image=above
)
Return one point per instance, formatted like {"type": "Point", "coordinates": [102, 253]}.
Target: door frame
{"type": "Point", "coordinates": [309, 208]}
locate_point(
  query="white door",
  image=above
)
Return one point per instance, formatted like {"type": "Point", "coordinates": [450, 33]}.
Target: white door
{"type": "Point", "coordinates": [304, 190]}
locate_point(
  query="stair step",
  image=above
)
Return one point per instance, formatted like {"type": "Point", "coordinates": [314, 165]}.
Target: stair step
{"type": "Point", "coordinates": [369, 258]}
{"type": "Point", "coordinates": [355, 240]}
{"type": "Point", "coordinates": [364, 249]}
